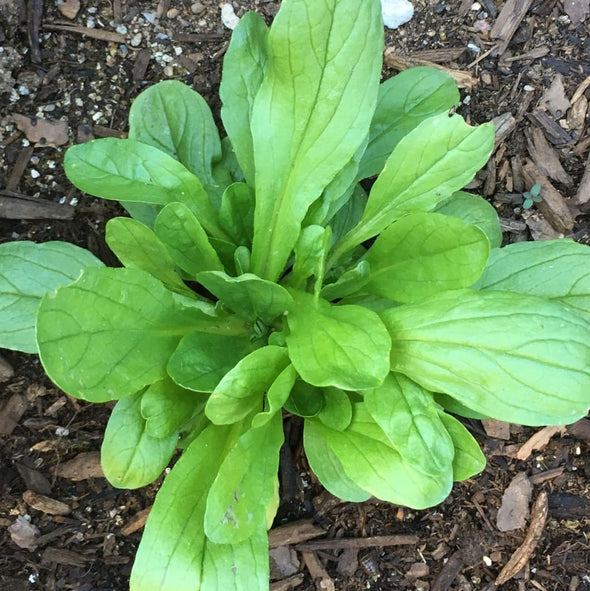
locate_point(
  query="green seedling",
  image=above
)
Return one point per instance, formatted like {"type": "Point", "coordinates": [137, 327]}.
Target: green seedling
{"type": "Point", "coordinates": [258, 275]}
{"type": "Point", "coordinates": [531, 197]}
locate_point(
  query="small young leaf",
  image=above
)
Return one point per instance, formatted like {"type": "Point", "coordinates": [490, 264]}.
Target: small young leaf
{"type": "Point", "coordinates": [236, 214]}
{"type": "Point", "coordinates": [305, 400]}
{"type": "Point", "coordinates": [302, 137]}
{"type": "Point", "coordinates": [328, 468]}
{"type": "Point", "coordinates": [203, 358]}
{"type": "Point", "coordinates": [408, 416]}
{"type": "Point", "coordinates": [405, 100]}
{"type": "Point", "coordinates": [242, 388]}
{"type": "Point", "coordinates": [111, 333]}
{"type": "Point", "coordinates": [342, 346]}
{"type": "Point", "coordinates": [174, 118]}
{"type": "Point", "coordinates": [423, 254]}
{"type": "Point", "coordinates": [276, 396]}
{"type": "Point", "coordinates": [28, 271]}
{"type": "Point", "coordinates": [166, 407]}
{"type": "Point", "coordinates": [243, 69]}
{"type": "Point", "coordinates": [137, 247]}
{"type": "Point", "coordinates": [189, 247]}
{"type": "Point", "coordinates": [310, 253]}
{"type": "Point", "coordinates": [130, 457]}
{"type": "Point", "coordinates": [474, 210]}
{"type": "Point", "coordinates": [556, 269]}
{"type": "Point", "coordinates": [247, 295]}
{"type": "Point", "coordinates": [348, 283]}
{"type": "Point", "coordinates": [512, 357]}
{"type": "Point", "coordinates": [336, 411]}
{"type": "Point", "coordinates": [469, 459]}
{"type": "Point", "coordinates": [244, 485]}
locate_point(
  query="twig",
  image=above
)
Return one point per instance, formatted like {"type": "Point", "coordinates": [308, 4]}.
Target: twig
{"type": "Point", "coordinates": [94, 33]}
{"type": "Point", "coordinates": [373, 541]}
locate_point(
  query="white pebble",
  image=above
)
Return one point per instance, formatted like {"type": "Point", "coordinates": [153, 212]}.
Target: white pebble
{"type": "Point", "coordinates": [228, 17]}
{"type": "Point", "coordinates": [35, 173]}
{"type": "Point", "coordinates": [135, 40]}
{"type": "Point", "coordinates": [476, 6]}
{"type": "Point", "coordinates": [121, 29]}
{"type": "Point", "coordinates": [396, 12]}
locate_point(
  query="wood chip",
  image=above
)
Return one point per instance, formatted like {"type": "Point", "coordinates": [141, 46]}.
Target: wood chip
{"type": "Point", "coordinates": [508, 22]}
{"type": "Point", "coordinates": [85, 465]}
{"type": "Point", "coordinates": [93, 33]}
{"type": "Point", "coordinates": [288, 584]}
{"type": "Point", "coordinates": [553, 205]}
{"type": "Point", "coordinates": [546, 475]}
{"type": "Point", "coordinates": [63, 556]}
{"type": "Point", "coordinates": [539, 227]}
{"type": "Point", "coordinates": [514, 510]}
{"type": "Point", "coordinates": [42, 132]}
{"type": "Point", "coordinates": [370, 542]}
{"type": "Point", "coordinates": [294, 533]}
{"type": "Point", "coordinates": [522, 554]}
{"type": "Point", "coordinates": [580, 429]}
{"type": "Point", "coordinates": [533, 54]}
{"type": "Point", "coordinates": [33, 479]}
{"type": "Point", "coordinates": [449, 572]}
{"type": "Point", "coordinates": [583, 193]}
{"type": "Point", "coordinates": [45, 504]}
{"type": "Point", "coordinates": [398, 62]}
{"type": "Point", "coordinates": [538, 441]}
{"type": "Point", "coordinates": [348, 562]}
{"type": "Point", "coordinates": [11, 412]}
{"type": "Point", "coordinates": [576, 118]}
{"type": "Point", "coordinates": [552, 130]}
{"type": "Point", "coordinates": [69, 8]}
{"type": "Point", "coordinates": [555, 99]}
{"type": "Point", "coordinates": [16, 206]}
{"type": "Point", "coordinates": [577, 10]}
{"type": "Point", "coordinates": [439, 56]}
{"type": "Point", "coordinates": [545, 157]}
{"type": "Point", "coordinates": [283, 562]}
{"type": "Point", "coordinates": [496, 429]}
{"type": "Point", "coordinates": [136, 522]}
{"type": "Point", "coordinates": [581, 89]}
{"type": "Point", "coordinates": [140, 65]}
{"type": "Point", "coordinates": [6, 370]}
{"type": "Point", "coordinates": [321, 578]}
{"type": "Point", "coordinates": [504, 125]}
{"type": "Point", "coordinates": [18, 170]}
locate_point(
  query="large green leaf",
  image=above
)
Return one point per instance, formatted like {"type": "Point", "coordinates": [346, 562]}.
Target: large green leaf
{"type": "Point", "coordinates": [28, 271]}
{"type": "Point", "coordinates": [175, 554]}
{"type": "Point", "coordinates": [137, 247]}
{"type": "Point", "coordinates": [423, 254]}
{"type": "Point", "coordinates": [342, 346]}
{"type": "Point", "coordinates": [242, 388]}
{"type": "Point", "coordinates": [247, 295]}
{"type": "Point", "coordinates": [475, 210]}
{"type": "Point", "coordinates": [243, 69]}
{"type": "Point", "coordinates": [111, 333]}
{"type": "Point", "coordinates": [311, 114]}
{"type": "Point", "coordinates": [408, 416]}
{"type": "Point", "coordinates": [186, 241]}
{"type": "Point", "coordinates": [405, 100]}
{"type": "Point", "coordinates": [370, 461]}
{"type": "Point", "coordinates": [556, 269]}
{"type": "Point", "coordinates": [128, 170]}
{"type": "Point", "coordinates": [328, 468]}
{"type": "Point", "coordinates": [512, 357]}
{"type": "Point", "coordinates": [174, 118]}
{"type": "Point", "coordinates": [437, 158]}
{"type": "Point", "coordinates": [245, 484]}
{"type": "Point", "coordinates": [129, 455]}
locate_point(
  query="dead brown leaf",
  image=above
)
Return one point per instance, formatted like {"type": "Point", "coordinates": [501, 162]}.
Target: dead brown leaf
{"type": "Point", "coordinates": [45, 504]}
{"type": "Point", "coordinates": [555, 98]}
{"type": "Point", "coordinates": [545, 157]}
{"type": "Point", "coordinates": [42, 132]}
{"type": "Point", "coordinates": [514, 511]}
{"type": "Point", "coordinates": [69, 8]}
{"type": "Point", "coordinates": [85, 465]}
{"type": "Point", "coordinates": [496, 429]}
{"type": "Point", "coordinates": [538, 441]}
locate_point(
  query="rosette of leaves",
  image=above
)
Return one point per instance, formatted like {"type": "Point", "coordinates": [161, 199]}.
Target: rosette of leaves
{"type": "Point", "coordinates": [261, 272]}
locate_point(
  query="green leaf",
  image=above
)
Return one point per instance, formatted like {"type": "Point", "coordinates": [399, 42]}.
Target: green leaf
{"type": "Point", "coordinates": [174, 118]}
{"type": "Point", "coordinates": [245, 484]}
{"type": "Point", "coordinates": [242, 260]}
{"type": "Point", "coordinates": [348, 283]}
{"type": "Point", "coordinates": [305, 400]}
{"type": "Point", "coordinates": [236, 214]}
{"type": "Point", "coordinates": [437, 158]}
{"type": "Point", "coordinates": [349, 215]}
{"type": "Point", "coordinates": [512, 357]}
{"type": "Point", "coordinates": [111, 333]}
{"type": "Point", "coordinates": [336, 411]}
{"type": "Point", "coordinates": [556, 269]}
{"type": "Point", "coordinates": [310, 253]}
{"type": "Point", "coordinates": [328, 468]}
{"type": "Point", "coordinates": [342, 346]}
{"type": "Point", "coordinates": [243, 69]}
{"type": "Point", "coordinates": [130, 457]}
{"type": "Point", "coordinates": [242, 388]}
{"type": "Point", "coordinates": [276, 396]}
{"type": "Point", "coordinates": [128, 170]}
{"type": "Point", "coordinates": [369, 461]}
{"type": "Point", "coordinates": [186, 240]}
{"type": "Point", "coordinates": [408, 416]}
{"type": "Point", "coordinates": [302, 136]}
{"type": "Point", "coordinates": [405, 100]}
{"type": "Point", "coordinates": [203, 358]}
{"type": "Point", "coordinates": [248, 296]}
{"type": "Point", "coordinates": [175, 554]}
{"type": "Point", "coordinates": [166, 407]}
{"type": "Point", "coordinates": [137, 247]}
{"type": "Point", "coordinates": [28, 271]}
{"type": "Point", "coordinates": [423, 254]}
{"type": "Point", "coordinates": [454, 406]}
{"type": "Point", "coordinates": [469, 459]}
{"type": "Point", "coordinates": [474, 210]}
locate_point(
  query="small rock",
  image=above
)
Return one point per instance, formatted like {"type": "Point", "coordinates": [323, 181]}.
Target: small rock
{"type": "Point", "coordinates": [197, 8]}
{"type": "Point", "coordinates": [172, 13]}
{"type": "Point", "coordinates": [69, 8]}
{"type": "Point", "coordinates": [168, 71]}
{"type": "Point", "coordinates": [228, 17]}
{"type": "Point", "coordinates": [396, 12]}
{"type": "Point", "coordinates": [121, 29]}
{"type": "Point", "coordinates": [135, 40]}
{"type": "Point", "coordinates": [23, 533]}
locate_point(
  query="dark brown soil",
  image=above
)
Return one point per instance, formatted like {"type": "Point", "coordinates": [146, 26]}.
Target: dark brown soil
{"type": "Point", "coordinates": [50, 71]}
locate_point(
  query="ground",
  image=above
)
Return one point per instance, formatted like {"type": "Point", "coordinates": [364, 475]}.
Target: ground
{"type": "Point", "coordinates": [69, 73]}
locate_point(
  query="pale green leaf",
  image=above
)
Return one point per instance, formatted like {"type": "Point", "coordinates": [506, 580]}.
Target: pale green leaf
{"type": "Point", "coordinates": [236, 214]}
{"type": "Point", "coordinates": [336, 411]}
{"type": "Point", "coordinates": [245, 484]}
{"type": "Point", "coordinates": [310, 253]}
{"type": "Point", "coordinates": [512, 357]}
{"type": "Point", "coordinates": [423, 254]}
{"type": "Point", "coordinates": [556, 269]}
{"type": "Point", "coordinates": [28, 271]}
{"type": "Point", "coordinates": [130, 457]}
{"type": "Point", "coordinates": [342, 346]}
{"type": "Point", "coordinates": [302, 135]}
{"type": "Point", "coordinates": [348, 283]}
{"type": "Point", "coordinates": [276, 396]}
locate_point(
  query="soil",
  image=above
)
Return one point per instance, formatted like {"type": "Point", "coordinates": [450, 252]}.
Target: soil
{"type": "Point", "coordinates": [78, 65]}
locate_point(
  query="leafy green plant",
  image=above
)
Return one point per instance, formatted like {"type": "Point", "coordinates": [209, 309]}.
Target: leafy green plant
{"type": "Point", "coordinates": [260, 274]}
{"type": "Point", "coordinates": [531, 197]}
